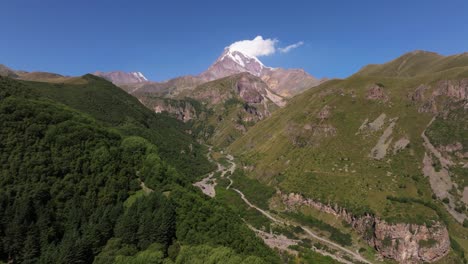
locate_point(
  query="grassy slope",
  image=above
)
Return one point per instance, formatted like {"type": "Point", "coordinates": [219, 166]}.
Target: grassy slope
{"type": "Point", "coordinates": [416, 63]}
{"type": "Point", "coordinates": [317, 169]}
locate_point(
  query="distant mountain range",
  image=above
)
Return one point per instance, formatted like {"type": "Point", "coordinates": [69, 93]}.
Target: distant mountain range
{"type": "Point", "coordinates": [285, 82]}
{"type": "Point", "coordinates": [376, 162]}
{"type": "Point", "coordinates": [235, 92]}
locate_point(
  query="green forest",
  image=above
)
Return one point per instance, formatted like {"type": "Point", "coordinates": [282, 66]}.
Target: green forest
{"type": "Point", "coordinates": [71, 175]}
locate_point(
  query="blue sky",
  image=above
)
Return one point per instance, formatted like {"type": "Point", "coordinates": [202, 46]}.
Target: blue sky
{"type": "Point", "coordinates": [165, 39]}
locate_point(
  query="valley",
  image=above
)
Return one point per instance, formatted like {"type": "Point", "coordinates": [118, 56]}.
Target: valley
{"type": "Point", "coordinates": [356, 142]}
{"type": "Point", "coordinates": [207, 186]}
{"type": "Point", "coordinates": [242, 132]}
{"type": "Point", "coordinates": [367, 169]}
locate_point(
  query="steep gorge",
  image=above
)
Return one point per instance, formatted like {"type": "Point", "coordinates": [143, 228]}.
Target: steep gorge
{"type": "Point", "coordinates": [406, 243]}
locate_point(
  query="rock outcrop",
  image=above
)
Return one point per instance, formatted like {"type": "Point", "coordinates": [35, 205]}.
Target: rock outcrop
{"type": "Point", "coordinates": [377, 92]}
{"type": "Point", "coordinates": [418, 94]}
{"type": "Point", "coordinates": [400, 145]}
{"type": "Point", "coordinates": [325, 113]}
{"type": "Point", "coordinates": [405, 243]}
{"type": "Point", "coordinates": [182, 110]}
{"type": "Point", "coordinates": [429, 106]}
{"type": "Point", "coordinates": [250, 90]}
{"type": "Point", "coordinates": [454, 89]}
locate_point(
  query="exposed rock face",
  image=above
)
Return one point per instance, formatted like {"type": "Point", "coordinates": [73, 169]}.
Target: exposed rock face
{"type": "Point", "coordinates": [244, 86]}
{"type": "Point", "coordinates": [405, 243]}
{"type": "Point", "coordinates": [429, 106]}
{"type": "Point", "coordinates": [454, 89]}
{"type": "Point", "coordinates": [401, 144]}
{"type": "Point", "coordinates": [325, 113]}
{"type": "Point", "coordinates": [379, 151]}
{"type": "Point", "coordinates": [418, 94]}
{"type": "Point", "coordinates": [377, 92]}
{"type": "Point", "coordinates": [248, 91]}
{"type": "Point", "coordinates": [410, 243]}
{"type": "Point", "coordinates": [375, 125]}
{"type": "Point", "coordinates": [182, 110]}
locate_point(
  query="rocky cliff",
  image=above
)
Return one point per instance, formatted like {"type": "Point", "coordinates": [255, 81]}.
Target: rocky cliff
{"type": "Point", "coordinates": [181, 109]}
{"type": "Point", "coordinates": [405, 243]}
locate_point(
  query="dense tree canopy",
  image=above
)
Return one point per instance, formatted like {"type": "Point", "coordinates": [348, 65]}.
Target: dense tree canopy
{"type": "Point", "coordinates": [65, 177]}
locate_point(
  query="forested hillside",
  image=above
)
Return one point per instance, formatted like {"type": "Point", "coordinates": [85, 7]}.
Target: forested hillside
{"type": "Point", "coordinates": [115, 108]}
{"type": "Point", "coordinates": [71, 186]}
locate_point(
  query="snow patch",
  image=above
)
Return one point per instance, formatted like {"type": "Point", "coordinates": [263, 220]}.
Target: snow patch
{"type": "Point", "coordinates": [139, 76]}
{"type": "Point", "coordinates": [237, 57]}
{"type": "Point", "coordinates": [239, 60]}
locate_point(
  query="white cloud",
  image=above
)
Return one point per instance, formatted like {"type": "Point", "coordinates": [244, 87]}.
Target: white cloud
{"type": "Point", "coordinates": [256, 47]}
{"type": "Point", "coordinates": [290, 47]}
{"type": "Point", "coordinates": [259, 46]}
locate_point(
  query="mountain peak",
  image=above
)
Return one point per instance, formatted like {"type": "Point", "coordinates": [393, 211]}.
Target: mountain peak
{"type": "Point", "coordinates": [286, 82]}
{"type": "Point", "coordinates": [232, 62]}
{"type": "Point", "coordinates": [239, 57]}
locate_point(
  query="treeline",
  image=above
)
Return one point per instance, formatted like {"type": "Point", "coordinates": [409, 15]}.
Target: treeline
{"type": "Point", "coordinates": [64, 178]}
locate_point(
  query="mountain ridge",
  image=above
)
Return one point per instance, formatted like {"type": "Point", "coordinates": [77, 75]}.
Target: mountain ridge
{"type": "Point", "coordinates": [415, 63]}
{"type": "Point", "coordinates": [120, 77]}
{"type": "Point", "coordinates": [285, 82]}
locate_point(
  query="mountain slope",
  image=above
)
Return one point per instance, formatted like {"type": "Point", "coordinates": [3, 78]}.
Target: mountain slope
{"type": "Point", "coordinates": [110, 105]}
{"type": "Point", "coordinates": [356, 145]}
{"type": "Point", "coordinates": [170, 88]}
{"type": "Point", "coordinates": [285, 82]}
{"type": "Point", "coordinates": [416, 63]}
{"type": "Point", "coordinates": [222, 110]}
{"type": "Point", "coordinates": [71, 187]}
{"type": "Point", "coordinates": [7, 72]}
{"type": "Point", "coordinates": [119, 77]}
{"type": "Point", "coordinates": [289, 82]}
{"type": "Point", "coordinates": [231, 69]}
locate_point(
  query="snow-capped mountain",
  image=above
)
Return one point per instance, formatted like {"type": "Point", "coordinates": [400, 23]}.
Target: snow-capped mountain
{"type": "Point", "coordinates": [285, 82]}
{"type": "Point", "coordinates": [119, 77]}
{"type": "Point", "coordinates": [233, 62]}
